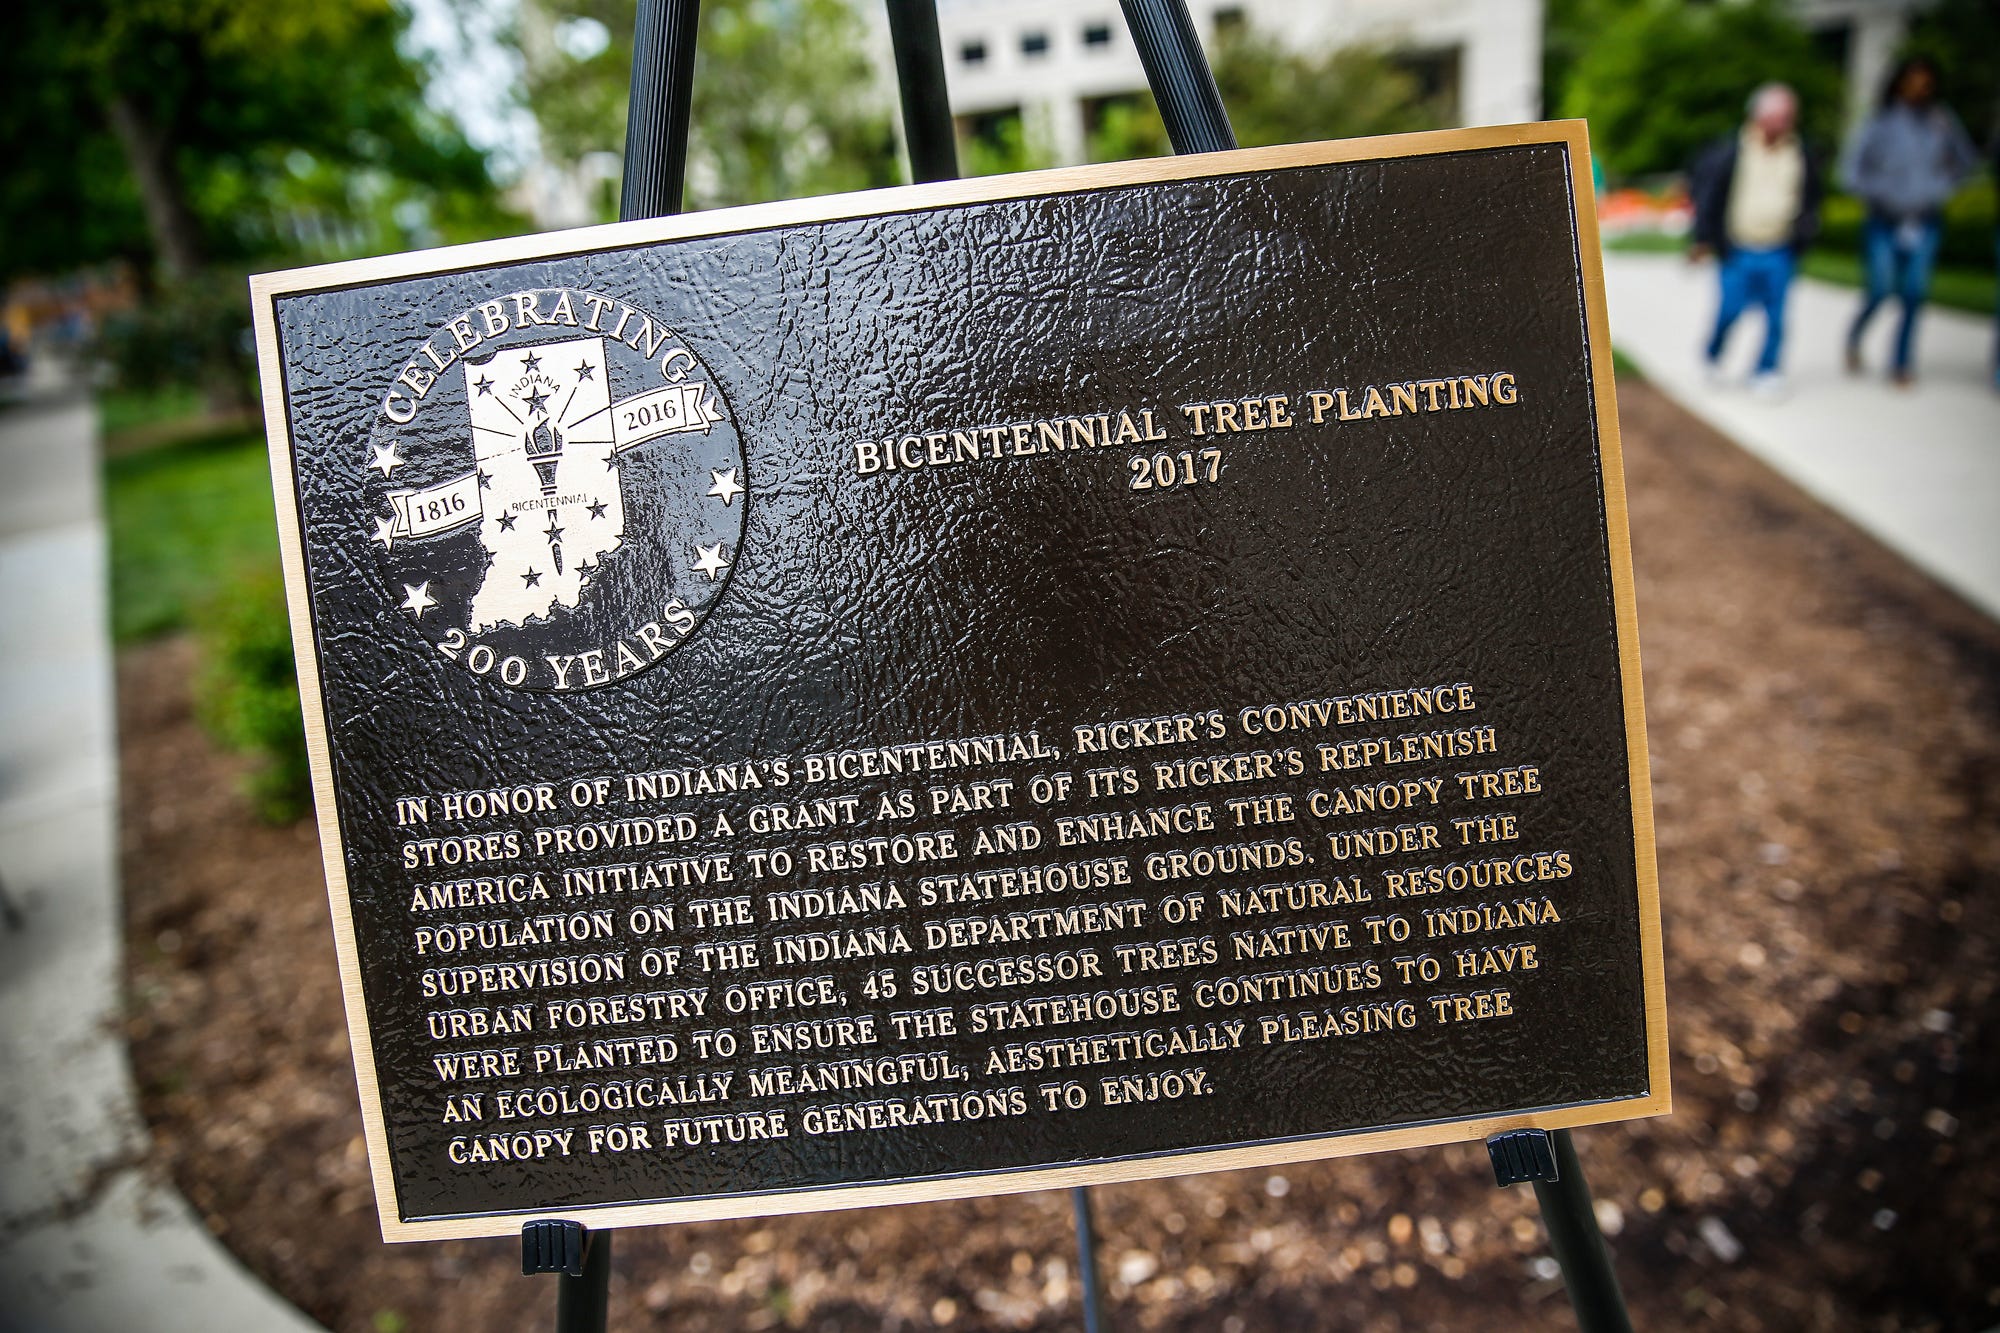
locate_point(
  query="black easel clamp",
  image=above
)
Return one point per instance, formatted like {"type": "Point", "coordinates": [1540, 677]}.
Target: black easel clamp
{"type": "Point", "coordinates": [582, 1261]}
{"type": "Point", "coordinates": [553, 1246]}
{"type": "Point", "coordinates": [1522, 1155]}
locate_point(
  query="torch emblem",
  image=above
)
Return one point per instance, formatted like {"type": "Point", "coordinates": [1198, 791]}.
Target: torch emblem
{"type": "Point", "coordinates": [545, 444]}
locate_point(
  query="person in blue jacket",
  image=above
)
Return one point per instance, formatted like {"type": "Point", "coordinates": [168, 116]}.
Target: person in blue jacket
{"type": "Point", "coordinates": [1906, 160]}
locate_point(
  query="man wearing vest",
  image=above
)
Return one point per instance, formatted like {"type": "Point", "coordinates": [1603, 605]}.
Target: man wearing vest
{"type": "Point", "coordinates": [1756, 207]}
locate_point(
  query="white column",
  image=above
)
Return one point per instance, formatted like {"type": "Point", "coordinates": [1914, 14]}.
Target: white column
{"type": "Point", "coordinates": [1057, 123]}
{"type": "Point", "coordinates": [1871, 53]}
{"type": "Point", "coordinates": [1500, 64]}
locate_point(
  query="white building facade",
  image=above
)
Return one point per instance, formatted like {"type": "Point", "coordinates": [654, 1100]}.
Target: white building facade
{"type": "Point", "coordinates": [1054, 61]}
{"type": "Point", "coordinates": [1865, 34]}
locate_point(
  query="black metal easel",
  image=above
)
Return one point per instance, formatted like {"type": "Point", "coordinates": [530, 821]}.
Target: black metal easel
{"type": "Point", "coordinates": [1191, 107]}
{"type": "Point", "coordinates": [1549, 1160]}
{"type": "Point", "coordinates": [656, 135]}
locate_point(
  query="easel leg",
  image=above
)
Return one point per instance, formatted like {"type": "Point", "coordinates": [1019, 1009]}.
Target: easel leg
{"type": "Point", "coordinates": [1184, 87]}
{"type": "Point", "coordinates": [583, 1302]}
{"type": "Point", "coordinates": [1550, 1161]}
{"type": "Point", "coordinates": [1086, 1259]}
{"type": "Point", "coordinates": [656, 125]}
{"type": "Point", "coordinates": [927, 129]}
{"type": "Point", "coordinates": [1181, 80]}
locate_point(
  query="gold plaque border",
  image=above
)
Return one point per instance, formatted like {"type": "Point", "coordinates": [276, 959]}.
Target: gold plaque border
{"type": "Point", "coordinates": [265, 290]}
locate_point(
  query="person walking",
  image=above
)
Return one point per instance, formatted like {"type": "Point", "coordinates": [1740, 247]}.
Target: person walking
{"type": "Point", "coordinates": [1756, 207]}
{"type": "Point", "coordinates": [1906, 160]}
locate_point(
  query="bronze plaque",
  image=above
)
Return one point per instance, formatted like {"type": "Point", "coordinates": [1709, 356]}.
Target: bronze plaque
{"type": "Point", "coordinates": [1020, 682]}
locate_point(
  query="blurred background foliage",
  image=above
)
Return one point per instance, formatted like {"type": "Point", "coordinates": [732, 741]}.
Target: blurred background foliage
{"type": "Point", "coordinates": [190, 139]}
{"type": "Point", "coordinates": [1657, 79]}
{"type": "Point", "coordinates": [182, 132]}
{"type": "Point", "coordinates": [1276, 94]}
{"type": "Point", "coordinates": [171, 146]}
{"type": "Point", "coordinates": [786, 101]}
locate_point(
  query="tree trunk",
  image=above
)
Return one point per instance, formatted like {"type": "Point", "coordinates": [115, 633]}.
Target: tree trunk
{"type": "Point", "coordinates": [176, 234]}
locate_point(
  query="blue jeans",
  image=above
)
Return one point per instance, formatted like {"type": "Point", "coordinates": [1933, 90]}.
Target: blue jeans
{"type": "Point", "coordinates": [1899, 257]}
{"type": "Point", "coordinates": [1755, 277]}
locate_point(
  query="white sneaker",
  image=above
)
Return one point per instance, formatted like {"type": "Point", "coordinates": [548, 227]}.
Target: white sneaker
{"type": "Point", "coordinates": [1769, 384]}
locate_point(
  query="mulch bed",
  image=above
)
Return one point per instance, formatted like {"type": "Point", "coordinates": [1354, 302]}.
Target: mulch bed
{"type": "Point", "coordinates": [1826, 740]}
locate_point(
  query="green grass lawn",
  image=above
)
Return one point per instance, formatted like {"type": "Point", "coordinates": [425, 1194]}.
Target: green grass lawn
{"type": "Point", "coordinates": [122, 410]}
{"type": "Point", "coordinates": [1646, 243]}
{"type": "Point", "coordinates": [185, 519]}
{"type": "Point", "coordinates": [1970, 289]}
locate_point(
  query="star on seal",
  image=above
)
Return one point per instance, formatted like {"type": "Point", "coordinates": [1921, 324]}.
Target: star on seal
{"type": "Point", "coordinates": [726, 487]}
{"type": "Point", "coordinates": [709, 561]}
{"type": "Point", "coordinates": [419, 599]}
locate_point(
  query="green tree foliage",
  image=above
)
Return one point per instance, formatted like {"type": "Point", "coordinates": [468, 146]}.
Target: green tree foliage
{"type": "Point", "coordinates": [1569, 27]}
{"type": "Point", "coordinates": [1660, 78]}
{"type": "Point", "coordinates": [191, 131]}
{"type": "Point", "coordinates": [1278, 95]}
{"type": "Point", "coordinates": [786, 102]}
{"type": "Point", "coordinates": [191, 333]}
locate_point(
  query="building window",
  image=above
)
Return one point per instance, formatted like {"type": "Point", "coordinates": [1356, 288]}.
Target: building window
{"type": "Point", "coordinates": [1436, 73]}
{"type": "Point", "coordinates": [1034, 45]}
{"type": "Point", "coordinates": [992, 142]}
{"type": "Point", "coordinates": [972, 53]}
{"type": "Point", "coordinates": [1097, 36]}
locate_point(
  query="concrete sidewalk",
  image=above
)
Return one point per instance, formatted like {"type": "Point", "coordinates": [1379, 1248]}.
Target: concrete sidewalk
{"type": "Point", "coordinates": [1919, 467]}
{"type": "Point", "coordinates": [88, 1242]}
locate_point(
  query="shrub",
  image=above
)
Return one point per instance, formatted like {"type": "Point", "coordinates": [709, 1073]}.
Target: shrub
{"type": "Point", "coordinates": [193, 334]}
{"type": "Point", "coordinates": [1968, 225]}
{"type": "Point", "coordinates": [247, 692]}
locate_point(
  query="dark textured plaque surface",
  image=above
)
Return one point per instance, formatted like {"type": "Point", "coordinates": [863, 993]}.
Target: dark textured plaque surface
{"type": "Point", "coordinates": [1011, 595]}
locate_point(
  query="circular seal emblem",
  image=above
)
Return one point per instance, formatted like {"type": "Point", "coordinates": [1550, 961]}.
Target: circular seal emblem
{"type": "Point", "coordinates": [556, 490]}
